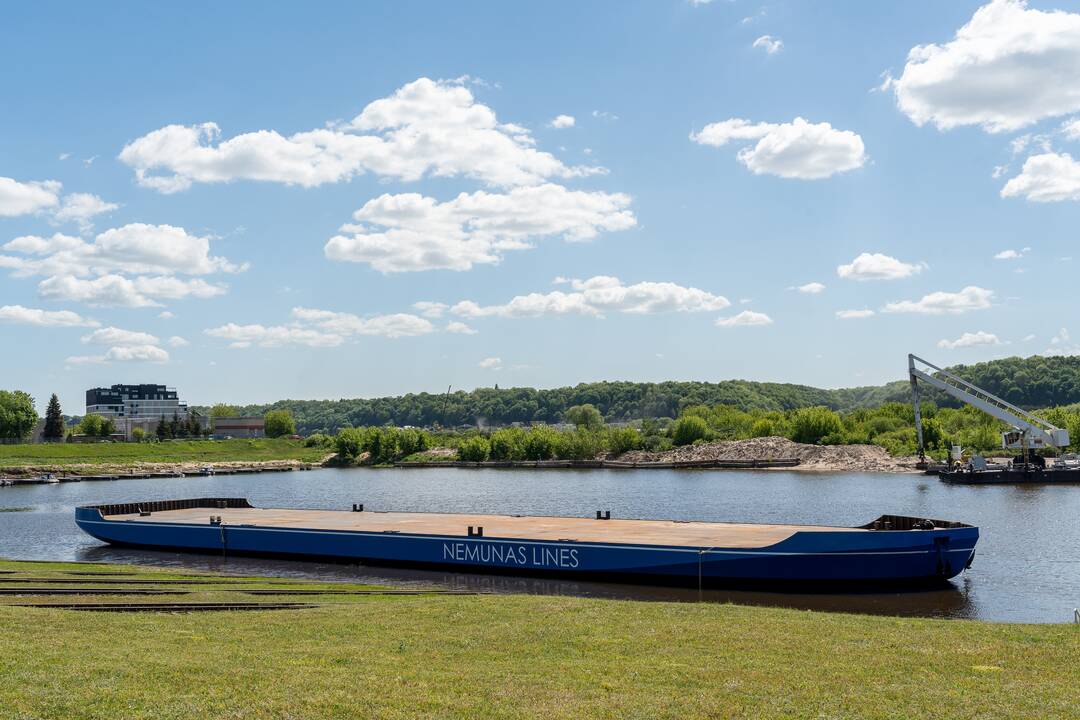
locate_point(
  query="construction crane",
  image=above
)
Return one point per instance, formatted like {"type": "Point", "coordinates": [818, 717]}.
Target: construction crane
{"type": "Point", "coordinates": [1028, 432]}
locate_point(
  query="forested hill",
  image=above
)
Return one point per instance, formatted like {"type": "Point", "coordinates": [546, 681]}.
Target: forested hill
{"type": "Point", "coordinates": [1032, 382]}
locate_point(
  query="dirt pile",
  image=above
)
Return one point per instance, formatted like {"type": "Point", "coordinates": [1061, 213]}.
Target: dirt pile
{"type": "Point", "coordinates": [844, 458]}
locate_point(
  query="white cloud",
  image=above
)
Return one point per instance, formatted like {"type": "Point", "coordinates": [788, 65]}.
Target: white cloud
{"type": "Point", "coordinates": [562, 121]}
{"type": "Point", "coordinates": [134, 248]}
{"type": "Point", "coordinates": [242, 336]}
{"type": "Point", "coordinates": [430, 309]}
{"type": "Point", "coordinates": [166, 315]}
{"type": "Point", "coordinates": [460, 328]}
{"type": "Point", "coordinates": [134, 353]}
{"type": "Point", "coordinates": [604, 115]}
{"type": "Point", "coordinates": [117, 337]}
{"type": "Point", "coordinates": [1048, 177]}
{"type": "Point", "coordinates": [598, 295]}
{"type": "Point", "coordinates": [1012, 254]}
{"type": "Point", "coordinates": [1061, 345]}
{"type": "Point", "coordinates": [426, 128]}
{"type": "Point", "coordinates": [411, 232]}
{"type": "Point", "coordinates": [969, 339]}
{"type": "Point", "coordinates": [81, 208]}
{"type": "Point", "coordinates": [1008, 67]}
{"type": "Point", "coordinates": [312, 327]}
{"type": "Point", "coordinates": [119, 291]}
{"type": "Point", "coordinates": [876, 266]}
{"type": "Point", "coordinates": [746, 318]}
{"type": "Point", "coordinates": [391, 326]}
{"type": "Point", "coordinates": [769, 44]}
{"type": "Point", "coordinates": [20, 315]}
{"type": "Point", "coordinates": [799, 149]}
{"type": "Point", "coordinates": [1061, 338]}
{"type": "Point", "coordinates": [940, 303]}
{"type": "Point", "coordinates": [854, 314]}
{"type": "Point", "coordinates": [24, 198]}
{"type": "Point", "coordinates": [491, 363]}
{"type": "Point", "coordinates": [177, 341]}
{"type": "Point", "coordinates": [810, 288]}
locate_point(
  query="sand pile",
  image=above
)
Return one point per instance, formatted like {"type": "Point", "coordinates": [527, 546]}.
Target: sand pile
{"type": "Point", "coordinates": [847, 458]}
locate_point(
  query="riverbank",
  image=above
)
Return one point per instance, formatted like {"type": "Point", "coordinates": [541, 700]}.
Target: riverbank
{"type": "Point", "coordinates": [20, 461]}
{"type": "Point", "coordinates": [485, 656]}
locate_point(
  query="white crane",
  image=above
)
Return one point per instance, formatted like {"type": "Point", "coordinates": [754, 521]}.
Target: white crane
{"type": "Point", "coordinates": [1029, 432]}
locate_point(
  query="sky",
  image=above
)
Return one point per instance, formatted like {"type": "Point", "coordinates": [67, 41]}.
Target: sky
{"type": "Point", "coordinates": [258, 201]}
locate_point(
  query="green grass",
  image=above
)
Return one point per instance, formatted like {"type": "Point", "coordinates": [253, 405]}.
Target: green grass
{"type": "Point", "coordinates": [119, 454]}
{"type": "Point", "coordinates": [527, 657]}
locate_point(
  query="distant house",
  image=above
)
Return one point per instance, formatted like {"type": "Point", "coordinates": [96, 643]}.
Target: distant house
{"type": "Point", "coordinates": [222, 428]}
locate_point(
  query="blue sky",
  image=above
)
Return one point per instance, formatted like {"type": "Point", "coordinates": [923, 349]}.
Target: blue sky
{"type": "Point", "coordinates": [248, 201]}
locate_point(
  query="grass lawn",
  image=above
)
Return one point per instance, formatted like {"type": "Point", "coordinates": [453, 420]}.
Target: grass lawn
{"type": "Point", "coordinates": [523, 657]}
{"type": "Point", "coordinates": [61, 454]}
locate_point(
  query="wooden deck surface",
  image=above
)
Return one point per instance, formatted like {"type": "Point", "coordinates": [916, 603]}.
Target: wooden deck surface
{"type": "Point", "coordinates": [643, 532]}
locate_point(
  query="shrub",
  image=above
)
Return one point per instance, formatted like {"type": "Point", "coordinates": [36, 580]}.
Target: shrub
{"type": "Point", "coordinates": [623, 439]}
{"type": "Point", "coordinates": [508, 444]}
{"type": "Point", "coordinates": [689, 428]}
{"type": "Point", "coordinates": [138, 434]}
{"type": "Point", "coordinates": [581, 444]}
{"type": "Point", "coordinates": [810, 425]}
{"type": "Point", "coordinates": [585, 416]}
{"type": "Point", "coordinates": [541, 443]}
{"type": "Point", "coordinates": [763, 428]}
{"type": "Point", "coordinates": [474, 449]}
{"type": "Point", "coordinates": [349, 443]}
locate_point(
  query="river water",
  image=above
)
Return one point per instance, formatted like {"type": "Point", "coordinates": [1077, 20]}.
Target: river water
{"type": "Point", "coordinates": [1027, 564]}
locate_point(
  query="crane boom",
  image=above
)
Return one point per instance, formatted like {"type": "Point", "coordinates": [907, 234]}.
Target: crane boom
{"type": "Point", "coordinates": [1029, 430]}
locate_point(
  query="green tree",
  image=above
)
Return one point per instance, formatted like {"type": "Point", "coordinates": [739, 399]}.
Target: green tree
{"type": "Point", "coordinates": [54, 420]}
{"type": "Point", "coordinates": [138, 434]}
{"type": "Point", "coordinates": [107, 427]}
{"type": "Point", "coordinates": [17, 414]}
{"type": "Point", "coordinates": [90, 425]}
{"type": "Point", "coordinates": [279, 423]}
{"type": "Point", "coordinates": [688, 429]}
{"type": "Point", "coordinates": [541, 443]}
{"type": "Point", "coordinates": [508, 444]}
{"type": "Point", "coordinates": [585, 416]}
{"type": "Point", "coordinates": [174, 426]}
{"type": "Point", "coordinates": [223, 410]}
{"type": "Point", "coordinates": [162, 430]}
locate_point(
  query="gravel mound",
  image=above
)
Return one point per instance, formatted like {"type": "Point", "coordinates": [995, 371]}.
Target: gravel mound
{"type": "Point", "coordinates": [846, 458]}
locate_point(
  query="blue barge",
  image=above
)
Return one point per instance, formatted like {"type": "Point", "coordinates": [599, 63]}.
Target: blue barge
{"type": "Point", "coordinates": [892, 550]}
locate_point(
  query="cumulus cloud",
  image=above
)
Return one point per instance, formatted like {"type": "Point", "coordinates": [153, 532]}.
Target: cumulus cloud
{"type": "Point", "coordinates": [1047, 177]}
{"type": "Point", "coordinates": [491, 363]}
{"type": "Point", "coordinates": [941, 303]}
{"type": "Point", "coordinates": [810, 288]}
{"type": "Point", "coordinates": [97, 272]}
{"type": "Point", "coordinates": [769, 44]}
{"type": "Point", "coordinates": [970, 339]}
{"type": "Point", "coordinates": [562, 121]}
{"type": "Point", "coordinates": [854, 314]}
{"type": "Point", "coordinates": [121, 338]}
{"type": "Point", "coordinates": [799, 149]}
{"type": "Point", "coordinates": [744, 319]}
{"type": "Point", "coordinates": [19, 315]}
{"type": "Point", "coordinates": [1012, 254]}
{"type": "Point", "coordinates": [411, 232]}
{"type": "Point", "coordinates": [132, 353]}
{"type": "Point", "coordinates": [24, 198]}
{"type": "Point", "coordinates": [425, 128]}
{"type": "Point", "coordinates": [1008, 67]}
{"type": "Point", "coordinates": [81, 208]}
{"type": "Point", "coordinates": [177, 341]}
{"type": "Point", "coordinates": [877, 266]}
{"type": "Point", "coordinates": [460, 328]}
{"type": "Point", "coordinates": [312, 327]}
{"type": "Point", "coordinates": [599, 295]}
{"type": "Point", "coordinates": [430, 309]}
{"type": "Point", "coordinates": [119, 291]}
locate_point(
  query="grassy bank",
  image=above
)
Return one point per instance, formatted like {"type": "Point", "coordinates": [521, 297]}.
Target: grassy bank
{"type": "Point", "coordinates": [525, 656]}
{"type": "Point", "coordinates": [120, 454]}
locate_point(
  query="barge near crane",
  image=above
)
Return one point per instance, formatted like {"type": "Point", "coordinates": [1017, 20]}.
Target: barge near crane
{"type": "Point", "coordinates": [893, 550]}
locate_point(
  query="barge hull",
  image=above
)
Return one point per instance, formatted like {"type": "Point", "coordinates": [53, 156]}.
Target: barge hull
{"type": "Point", "coordinates": [840, 556]}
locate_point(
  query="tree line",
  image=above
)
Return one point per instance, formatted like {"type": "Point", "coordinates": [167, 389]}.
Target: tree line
{"type": "Point", "coordinates": [1032, 382]}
